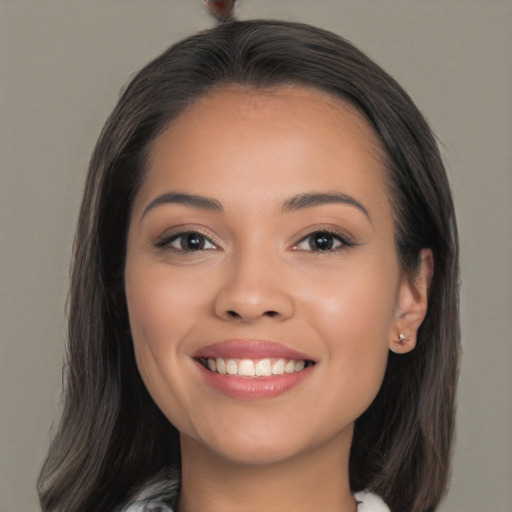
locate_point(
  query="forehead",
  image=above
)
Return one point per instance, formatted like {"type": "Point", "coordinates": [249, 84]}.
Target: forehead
{"type": "Point", "coordinates": [268, 143]}
{"type": "Point", "coordinates": [288, 106]}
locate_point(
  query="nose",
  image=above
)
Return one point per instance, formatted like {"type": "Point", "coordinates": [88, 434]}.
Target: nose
{"type": "Point", "coordinates": [254, 288]}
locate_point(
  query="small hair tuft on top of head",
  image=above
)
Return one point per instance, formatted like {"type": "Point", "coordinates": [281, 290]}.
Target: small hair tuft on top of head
{"type": "Point", "coordinates": [221, 10]}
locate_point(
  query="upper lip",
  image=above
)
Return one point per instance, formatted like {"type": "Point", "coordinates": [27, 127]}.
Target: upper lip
{"type": "Point", "coordinates": [250, 349]}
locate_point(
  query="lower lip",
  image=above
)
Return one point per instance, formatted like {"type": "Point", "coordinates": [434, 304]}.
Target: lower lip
{"type": "Point", "coordinates": [253, 388]}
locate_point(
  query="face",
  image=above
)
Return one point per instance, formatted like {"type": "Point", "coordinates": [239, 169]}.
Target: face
{"type": "Point", "coordinates": [262, 282]}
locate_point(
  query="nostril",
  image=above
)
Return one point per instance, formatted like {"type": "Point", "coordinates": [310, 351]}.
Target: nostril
{"type": "Point", "coordinates": [233, 314]}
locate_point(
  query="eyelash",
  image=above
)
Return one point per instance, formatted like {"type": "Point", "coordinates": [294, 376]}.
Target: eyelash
{"type": "Point", "coordinates": [343, 240]}
{"type": "Point", "coordinates": [327, 235]}
{"type": "Point", "coordinates": [167, 241]}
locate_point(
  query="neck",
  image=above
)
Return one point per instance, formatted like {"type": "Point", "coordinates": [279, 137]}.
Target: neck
{"type": "Point", "coordinates": [316, 480]}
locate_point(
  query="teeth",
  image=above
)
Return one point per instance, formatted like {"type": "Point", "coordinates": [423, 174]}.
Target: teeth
{"type": "Point", "coordinates": [221, 365]}
{"type": "Point", "coordinates": [231, 367]}
{"type": "Point", "coordinates": [289, 367]}
{"type": "Point", "coordinates": [212, 365]}
{"type": "Point", "coordinates": [278, 368]}
{"type": "Point", "coordinates": [246, 368]}
{"type": "Point", "coordinates": [299, 365]}
{"type": "Point", "coordinates": [254, 368]}
{"type": "Point", "coordinates": [263, 368]}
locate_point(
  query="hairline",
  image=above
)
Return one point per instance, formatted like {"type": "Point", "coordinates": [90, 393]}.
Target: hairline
{"type": "Point", "coordinates": [377, 148]}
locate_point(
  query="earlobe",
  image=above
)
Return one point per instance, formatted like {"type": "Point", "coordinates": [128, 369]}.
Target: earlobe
{"type": "Point", "coordinates": [402, 343]}
{"type": "Point", "coordinates": [412, 304]}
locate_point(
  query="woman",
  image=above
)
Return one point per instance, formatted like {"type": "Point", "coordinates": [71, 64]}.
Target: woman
{"type": "Point", "coordinates": [264, 297]}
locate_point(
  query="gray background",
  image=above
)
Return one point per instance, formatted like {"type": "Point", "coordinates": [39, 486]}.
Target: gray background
{"type": "Point", "coordinates": [62, 64]}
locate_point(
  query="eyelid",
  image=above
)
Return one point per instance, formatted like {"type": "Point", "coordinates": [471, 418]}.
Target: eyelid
{"type": "Point", "coordinates": [164, 241]}
{"type": "Point", "coordinates": [342, 237]}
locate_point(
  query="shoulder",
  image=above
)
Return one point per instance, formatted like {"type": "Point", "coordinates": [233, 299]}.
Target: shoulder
{"type": "Point", "coordinates": [369, 502]}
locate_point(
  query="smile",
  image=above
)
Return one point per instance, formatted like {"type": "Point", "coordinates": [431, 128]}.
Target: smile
{"type": "Point", "coordinates": [265, 367]}
{"type": "Point", "coordinates": [246, 369]}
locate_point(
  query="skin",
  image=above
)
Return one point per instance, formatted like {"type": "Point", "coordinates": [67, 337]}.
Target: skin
{"type": "Point", "coordinates": [252, 151]}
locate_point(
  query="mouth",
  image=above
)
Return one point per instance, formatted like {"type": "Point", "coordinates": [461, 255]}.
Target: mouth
{"type": "Point", "coordinates": [254, 368]}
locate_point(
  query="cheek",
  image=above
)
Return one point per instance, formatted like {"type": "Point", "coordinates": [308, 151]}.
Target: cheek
{"type": "Point", "coordinates": [150, 307]}
{"type": "Point", "coordinates": [354, 302]}
{"type": "Point", "coordinates": [354, 315]}
{"type": "Point", "coordinates": [148, 319]}
{"type": "Point", "coordinates": [157, 324]}
{"type": "Point", "coordinates": [156, 301]}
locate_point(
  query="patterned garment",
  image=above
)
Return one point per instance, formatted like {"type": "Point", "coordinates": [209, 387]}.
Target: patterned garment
{"type": "Point", "coordinates": [160, 495]}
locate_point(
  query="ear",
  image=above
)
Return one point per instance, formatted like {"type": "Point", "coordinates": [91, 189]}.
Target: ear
{"type": "Point", "coordinates": [412, 303]}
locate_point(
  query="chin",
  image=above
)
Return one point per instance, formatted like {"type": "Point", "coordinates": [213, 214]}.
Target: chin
{"type": "Point", "coordinates": [264, 443]}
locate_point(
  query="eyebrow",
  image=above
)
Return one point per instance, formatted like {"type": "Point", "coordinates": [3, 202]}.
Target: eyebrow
{"type": "Point", "coordinates": [194, 201]}
{"type": "Point", "coordinates": [297, 202]}
{"type": "Point", "coordinates": [301, 201]}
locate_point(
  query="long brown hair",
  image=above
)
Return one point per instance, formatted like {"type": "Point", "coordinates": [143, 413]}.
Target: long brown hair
{"type": "Point", "coordinates": [112, 437]}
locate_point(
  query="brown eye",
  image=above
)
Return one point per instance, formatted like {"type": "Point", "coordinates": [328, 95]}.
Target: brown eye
{"type": "Point", "coordinates": [192, 242]}
{"type": "Point", "coordinates": [323, 241]}
{"type": "Point", "coordinates": [188, 241]}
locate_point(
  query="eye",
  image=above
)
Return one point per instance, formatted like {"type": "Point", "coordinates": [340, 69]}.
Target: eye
{"type": "Point", "coordinates": [323, 241]}
{"type": "Point", "coordinates": [188, 241]}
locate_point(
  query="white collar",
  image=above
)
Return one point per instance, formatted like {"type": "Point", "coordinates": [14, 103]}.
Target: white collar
{"type": "Point", "coordinates": [160, 494]}
{"type": "Point", "coordinates": [369, 502]}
